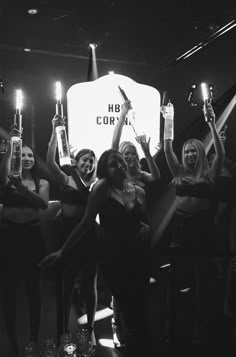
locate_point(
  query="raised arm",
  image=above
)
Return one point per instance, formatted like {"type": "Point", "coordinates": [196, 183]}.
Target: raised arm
{"type": "Point", "coordinates": [5, 165]}
{"type": "Point", "coordinates": [171, 158]}
{"type": "Point", "coordinates": [6, 162]}
{"type": "Point", "coordinates": [126, 106]}
{"type": "Point", "coordinates": [59, 175]}
{"type": "Point", "coordinates": [218, 161]}
{"type": "Point", "coordinates": [154, 174]}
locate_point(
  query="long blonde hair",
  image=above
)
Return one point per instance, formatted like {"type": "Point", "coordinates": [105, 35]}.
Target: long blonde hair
{"type": "Point", "coordinates": [123, 146]}
{"type": "Point", "coordinates": [201, 165]}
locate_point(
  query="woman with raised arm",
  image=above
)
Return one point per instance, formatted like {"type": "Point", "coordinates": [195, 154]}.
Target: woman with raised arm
{"type": "Point", "coordinates": [140, 177]}
{"type": "Point", "coordinates": [193, 231]}
{"type": "Point", "coordinates": [135, 174]}
{"type": "Point", "coordinates": [124, 243]}
{"type": "Point", "coordinates": [22, 243]}
{"type": "Point", "coordinates": [74, 193]}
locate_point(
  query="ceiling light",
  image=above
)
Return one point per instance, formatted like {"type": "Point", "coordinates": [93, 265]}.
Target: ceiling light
{"type": "Point", "coordinates": [32, 11]}
{"type": "Point", "coordinates": [27, 49]}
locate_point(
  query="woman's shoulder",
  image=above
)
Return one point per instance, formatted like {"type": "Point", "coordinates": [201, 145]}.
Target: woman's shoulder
{"type": "Point", "coordinates": [100, 185]}
{"type": "Point", "coordinates": [43, 183]}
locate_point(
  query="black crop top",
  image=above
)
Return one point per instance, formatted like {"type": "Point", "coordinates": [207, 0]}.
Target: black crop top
{"type": "Point", "coordinates": [75, 196]}
{"type": "Point", "coordinates": [195, 189]}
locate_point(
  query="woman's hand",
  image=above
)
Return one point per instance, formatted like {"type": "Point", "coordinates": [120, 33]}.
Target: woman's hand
{"type": "Point", "coordinates": [126, 106]}
{"type": "Point", "coordinates": [57, 120]}
{"type": "Point", "coordinates": [15, 131]}
{"type": "Point", "coordinates": [208, 112]}
{"type": "Point", "coordinates": [158, 148]}
{"type": "Point", "coordinates": [50, 259]}
{"type": "Point", "coordinates": [145, 144]}
{"type": "Point", "coordinates": [15, 181]}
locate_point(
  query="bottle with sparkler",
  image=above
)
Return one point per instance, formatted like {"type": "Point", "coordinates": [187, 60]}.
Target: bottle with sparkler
{"type": "Point", "coordinates": [62, 141]}
{"type": "Point", "coordinates": [16, 141]}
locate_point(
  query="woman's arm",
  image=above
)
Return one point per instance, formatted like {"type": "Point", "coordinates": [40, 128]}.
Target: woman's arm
{"type": "Point", "coordinates": [126, 106]}
{"type": "Point", "coordinates": [59, 175]}
{"type": "Point", "coordinates": [6, 162]}
{"type": "Point", "coordinates": [154, 174]}
{"type": "Point", "coordinates": [218, 161]}
{"type": "Point", "coordinates": [96, 199]}
{"type": "Point", "coordinates": [38, 200]}
{"type": "Point", "coordinates": [171, 158]}
{"type": "Point", "coordinates": [5, 165]}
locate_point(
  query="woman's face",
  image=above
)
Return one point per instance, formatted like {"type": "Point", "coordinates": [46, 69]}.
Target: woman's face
{"type": "Point", "coordinates": [117, 167]}
{"type": "Point", "coordinates": [130, 156]}
{"type": "Point", "coordinates": [28, 160]}
{"type": "Point", "coordinates": [190, 155]}
{"type": "Point", "coordinates": [85, 164]}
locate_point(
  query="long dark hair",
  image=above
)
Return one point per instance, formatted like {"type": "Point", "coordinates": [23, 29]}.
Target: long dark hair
{"type": "Point", "coordinates": [102, 168]}
{"type": "Point", "coordinates": [92, 175]}
{"type": "Point", "coordinates": [35, 169]}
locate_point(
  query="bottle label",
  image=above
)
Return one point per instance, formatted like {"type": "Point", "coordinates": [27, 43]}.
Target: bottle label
{"type": "Point", "coordinates": [16, 160]}
{"type": "Point", "coordinates": [169, 129]}
{"type": "Point", "coordinates": [63, 148]}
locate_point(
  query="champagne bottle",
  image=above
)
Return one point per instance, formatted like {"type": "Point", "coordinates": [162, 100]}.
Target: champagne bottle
{"type": "Point", "coordinates": [16, 160]}
{"type": "Point", "coordinates": [169, 121]}
{"type": "Point", "coordinates": [63, 147]}
{"type": "Point", "coordinates": [62, 141]}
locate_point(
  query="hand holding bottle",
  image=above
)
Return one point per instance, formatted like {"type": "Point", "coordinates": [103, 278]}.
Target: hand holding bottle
{"type": "Point", "coordinates": [208, 112]}
{"type": "Point", "coordinates": [15, 131]}
{"type": "Point", "coordinates": [126, 106]}
{"type": "Point", "coordinates": [15, 181]}
{"type": "Point", "coordinates": [57, 120]}
{"type": "Point", "coordinates": [59, 128]}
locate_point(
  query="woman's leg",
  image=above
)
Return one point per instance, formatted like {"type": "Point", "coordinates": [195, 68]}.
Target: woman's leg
{"type": "Point", "coordinates": [9, 309]}
{"type": "Point", "coordinates": [34, 300]}
{"type": "Point", "coordinates": [128, 283]}
{"type": "Point", "coordinates": [64, 292]}
{"type": "Point", "coordinates": [90, 289]}
{"type": "Point", "coordinates": [118, 324]}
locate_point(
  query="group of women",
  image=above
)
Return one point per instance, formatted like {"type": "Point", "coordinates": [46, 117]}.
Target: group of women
{"type": "Point", "coordinates": [116, 189]}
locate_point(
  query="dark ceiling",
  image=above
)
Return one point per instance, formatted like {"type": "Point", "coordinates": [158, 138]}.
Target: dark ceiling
{"type": "Point", "coordinates": [140, 39]}
{"type": "Point", "coordinates": [145, 32]}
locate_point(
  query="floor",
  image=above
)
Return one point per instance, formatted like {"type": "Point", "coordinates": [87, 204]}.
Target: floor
{"type": "Point", "coordinates": [220, 343]}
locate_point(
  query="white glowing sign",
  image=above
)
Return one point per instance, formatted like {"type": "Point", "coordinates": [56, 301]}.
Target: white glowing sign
{"type": "Point", "coordinates": [94, 109]}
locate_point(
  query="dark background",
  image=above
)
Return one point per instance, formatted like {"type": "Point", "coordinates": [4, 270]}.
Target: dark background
{"type": "Point", "coordinates": [138, 39]}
